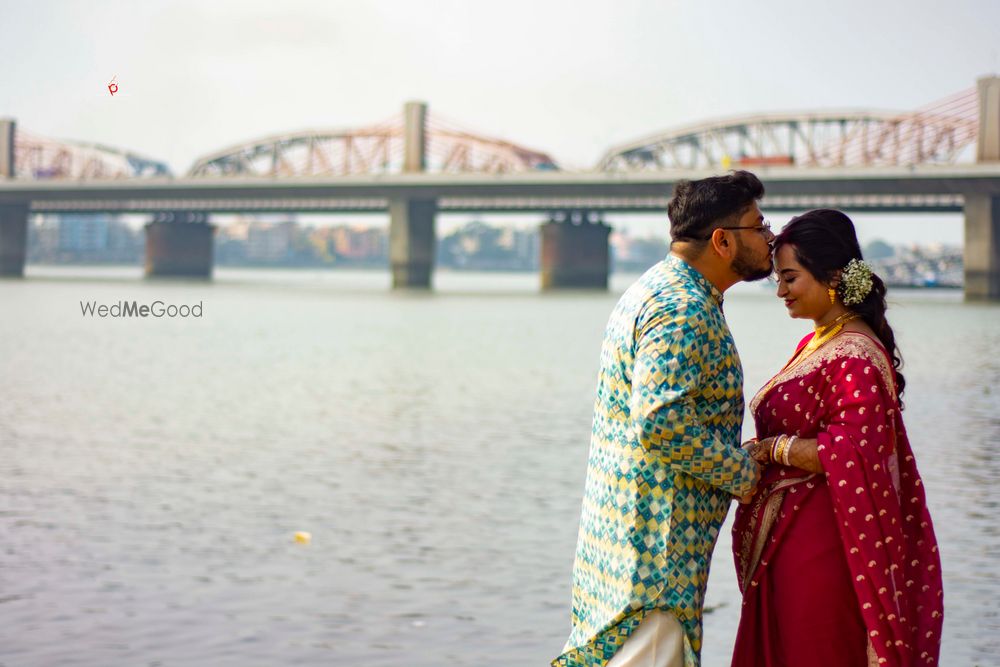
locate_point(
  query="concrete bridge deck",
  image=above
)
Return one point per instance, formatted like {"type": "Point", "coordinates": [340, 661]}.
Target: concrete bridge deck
{"type": "Point", "coordinates": [928, 187]}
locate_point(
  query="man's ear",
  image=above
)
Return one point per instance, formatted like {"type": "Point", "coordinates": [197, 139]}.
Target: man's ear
{"type": "Point", "coordinates": [721, 244]}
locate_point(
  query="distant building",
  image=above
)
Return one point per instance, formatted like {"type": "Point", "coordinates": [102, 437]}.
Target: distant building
{"type": "Point", "coordinates": [275, 242]}
{"type": "Point", "coordinates": [43, 239]}
{"type": "Point", "coordinates": [480, 247]}
{"type": "Point", "coordinates": [527, 247]}
{"type": "Point", "coordinates": [88, 238]}
{"type": "Point", "coordinates": [360, 244]}
{"type": "Point", "coordinates": [83, 233]}
{"type": "Point", "coordinates": [933, 265]}
{"type": "Point", "coordinates": [231, 242]}
{"type": "Point", "coordinates": [630, 254]}
{"type": "Point", "coordinates": [270, 242]}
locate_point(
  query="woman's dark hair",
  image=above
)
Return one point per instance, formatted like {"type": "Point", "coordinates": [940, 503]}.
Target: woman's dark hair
{"type": "Point", "coordinates": [698, 207]}
{"type": "Point", "coordinates": [825, 241]}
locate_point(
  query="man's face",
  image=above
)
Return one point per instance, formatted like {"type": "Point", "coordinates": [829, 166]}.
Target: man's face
{"type": "Point", "coordinates": [753, 250]}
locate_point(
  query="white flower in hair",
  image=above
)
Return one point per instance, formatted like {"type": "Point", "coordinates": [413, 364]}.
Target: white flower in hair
{"type": "Point", "coordinates": [855, 282]}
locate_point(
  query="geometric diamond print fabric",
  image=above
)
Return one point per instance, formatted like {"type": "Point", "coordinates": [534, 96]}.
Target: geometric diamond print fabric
{"type": "Point", "coordinates": [664, 465]}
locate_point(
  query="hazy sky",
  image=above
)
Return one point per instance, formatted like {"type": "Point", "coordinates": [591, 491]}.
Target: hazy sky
{"type": "Point", "coordinates": [570, 78]}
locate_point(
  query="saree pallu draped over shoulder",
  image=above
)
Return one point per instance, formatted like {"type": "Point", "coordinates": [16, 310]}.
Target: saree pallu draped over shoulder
{"type": "Point", "coordinates": [839, 568]}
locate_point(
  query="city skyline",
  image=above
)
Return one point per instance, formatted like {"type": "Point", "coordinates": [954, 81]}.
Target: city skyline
{"type": "Point", "coordinates": [893, 228]}
{"type": "Point", "coordinates": [283, 240]}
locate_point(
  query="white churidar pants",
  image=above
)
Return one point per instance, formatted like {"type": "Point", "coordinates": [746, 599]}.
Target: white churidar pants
{"type": "Point", "coordinates": [657, 642]}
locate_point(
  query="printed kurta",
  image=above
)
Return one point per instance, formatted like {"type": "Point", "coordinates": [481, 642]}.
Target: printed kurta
{"type": "Point", "coordinates": [664, 463]}
{"type": "Point", "coordinates": [873, 596]}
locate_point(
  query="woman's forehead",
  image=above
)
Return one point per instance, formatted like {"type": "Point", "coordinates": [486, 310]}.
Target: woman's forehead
{"type": "Point", "coordinates": [785, 258]}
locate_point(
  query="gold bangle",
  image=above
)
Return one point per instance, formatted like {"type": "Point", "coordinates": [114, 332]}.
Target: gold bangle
{"type": "Point", "coordinates": [776, 448]}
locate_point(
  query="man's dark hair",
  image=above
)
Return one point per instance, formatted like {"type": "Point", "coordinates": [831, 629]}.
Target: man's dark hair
{"type": "Point", "coordinates": [698, 207]}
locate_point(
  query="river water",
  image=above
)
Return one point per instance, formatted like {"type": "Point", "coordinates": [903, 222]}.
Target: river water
{"type": "Point", "coordinates": [154, 471]}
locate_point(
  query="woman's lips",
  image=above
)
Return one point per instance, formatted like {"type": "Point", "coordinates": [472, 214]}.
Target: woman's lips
{"type": "Point", "coordinates": [789, 302]}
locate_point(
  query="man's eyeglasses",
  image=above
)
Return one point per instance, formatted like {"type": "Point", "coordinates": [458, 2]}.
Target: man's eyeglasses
{"type": "Point", "coordinates": [764, 228]}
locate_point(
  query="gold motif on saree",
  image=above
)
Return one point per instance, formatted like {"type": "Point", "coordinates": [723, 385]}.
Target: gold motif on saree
{"type": "Point", "coordinates": [845, 345]}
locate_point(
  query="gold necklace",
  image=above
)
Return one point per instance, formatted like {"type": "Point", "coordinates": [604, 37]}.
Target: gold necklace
{"type": "Point", "coordinates": [823, 334]}
{"type": "Point", "coordinates": [828, 331]}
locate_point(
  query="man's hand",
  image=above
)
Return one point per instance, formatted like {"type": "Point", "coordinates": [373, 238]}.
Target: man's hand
{"type": "Point", "coordinates": [743, 500]}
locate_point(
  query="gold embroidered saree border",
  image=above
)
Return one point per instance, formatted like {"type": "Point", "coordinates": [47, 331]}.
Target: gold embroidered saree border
{"type": "Point", "coordinates": [846, 344]}
{"type": "Point", "coordinates": [771, 506]}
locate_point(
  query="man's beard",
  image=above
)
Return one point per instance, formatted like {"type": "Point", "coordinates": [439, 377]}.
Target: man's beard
{"type": "Point", "coordinates": [748, 267]}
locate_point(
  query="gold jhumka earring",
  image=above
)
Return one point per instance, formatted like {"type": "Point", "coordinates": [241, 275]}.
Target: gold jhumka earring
{"type": "Point", "coordinates": [833, 295]}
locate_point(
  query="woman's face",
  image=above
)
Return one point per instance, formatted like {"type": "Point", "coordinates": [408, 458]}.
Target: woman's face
{"type": "Point", "coordinates": [804, 296]}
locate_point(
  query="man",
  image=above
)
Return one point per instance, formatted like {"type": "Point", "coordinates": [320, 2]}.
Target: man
{"type": "Point", "coordinates": [665, 460]}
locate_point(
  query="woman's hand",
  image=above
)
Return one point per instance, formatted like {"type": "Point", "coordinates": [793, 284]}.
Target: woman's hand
{"type": "Point", "coordinates": [760, 450]}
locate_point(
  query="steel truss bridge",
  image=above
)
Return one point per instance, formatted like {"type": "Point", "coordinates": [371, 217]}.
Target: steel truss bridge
{"type": "Point", "coordinates": [378, 149]}
{"type": "Point", "coordinates": [937, 134]}
{"type": "Point", "coordinates": [40, 158]}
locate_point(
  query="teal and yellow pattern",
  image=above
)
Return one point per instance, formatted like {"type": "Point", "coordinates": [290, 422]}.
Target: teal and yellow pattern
{"type": "Point", "coordinates": [664, 463]}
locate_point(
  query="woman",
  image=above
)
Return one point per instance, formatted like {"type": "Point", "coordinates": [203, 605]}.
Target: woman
{"type": "Point", "coordinates": [835, 553]}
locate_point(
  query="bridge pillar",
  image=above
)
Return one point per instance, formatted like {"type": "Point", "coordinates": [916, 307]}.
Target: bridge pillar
{"type": "Point", "coordinates": [13, 238]}
{"type": "Point", "coordinates": [8, 126]}
{"type": "Point", "coordinates": [411, 242]}
{"type": "Point", "coordinates": [988, 144]}
{"type": "Point", "coordinates": [982, 247]}
{"type": "Point", "coordinates": [575, 252]}
{"type": "Point", "coordinates": [414, 137]}
{"type": "Point", "coordinates": [982, 211]}
{"type": "Point", "coordinates": [13, 217]}
{"type": "Point", "coordinates": [179, 244]}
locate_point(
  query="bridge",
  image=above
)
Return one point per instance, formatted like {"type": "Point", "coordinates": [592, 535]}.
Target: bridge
{"type": "Point", "coordinates": [935, 134]}
{"type": "Point", "coordinates": [944, 157]}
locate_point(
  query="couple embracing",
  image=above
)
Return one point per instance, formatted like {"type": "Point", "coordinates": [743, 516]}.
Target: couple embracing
{"type": "Point", "coordinates": [833, 544]}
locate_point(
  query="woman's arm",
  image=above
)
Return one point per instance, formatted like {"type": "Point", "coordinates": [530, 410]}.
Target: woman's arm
{"type": "Point", "coordinates": [803, 453]}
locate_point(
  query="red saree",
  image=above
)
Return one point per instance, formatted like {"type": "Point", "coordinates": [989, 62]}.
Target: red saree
{"type": "Point", "coordinates": [841, 568]}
